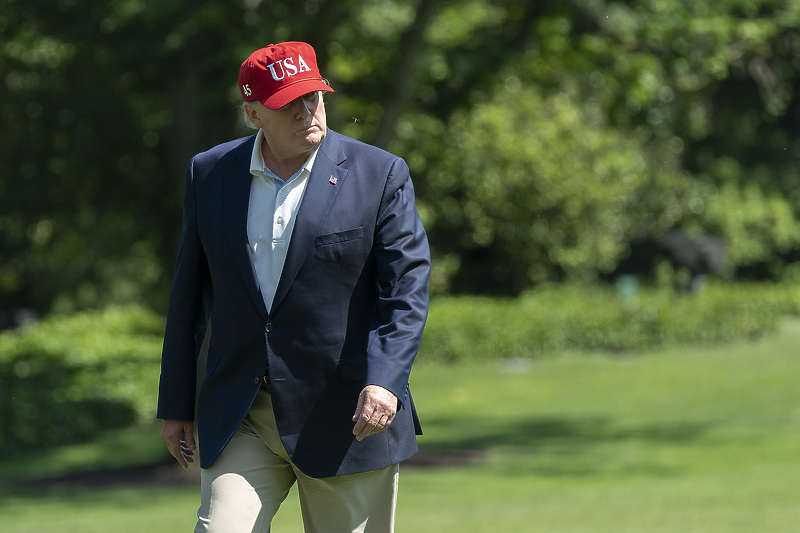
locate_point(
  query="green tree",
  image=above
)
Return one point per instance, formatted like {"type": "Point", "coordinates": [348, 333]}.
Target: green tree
{"type": "Point", "coordinates": [692, 86]}
{"type": "Point", "coordinates": [640, 117]}
{"type": "Point", "coordinates": [542, 193]}
{"type": "Point", "coordinates": [105, 103]}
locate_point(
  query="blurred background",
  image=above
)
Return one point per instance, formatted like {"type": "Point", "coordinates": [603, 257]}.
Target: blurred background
{"type": "Point", "coordinates": [611, 176]}
{"type": "Point", "coordinates": [549, 141]}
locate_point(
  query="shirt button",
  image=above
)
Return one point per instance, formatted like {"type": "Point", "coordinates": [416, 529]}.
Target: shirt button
{"type": "Point", "coordinates": [280, 220]}
{"type": "Point", "coordinates": [268, 327]}
{"type": "Point", "coordinates": [258, 379]}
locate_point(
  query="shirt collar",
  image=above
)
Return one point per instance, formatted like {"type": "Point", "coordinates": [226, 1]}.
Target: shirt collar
{"type": "Point", "coordinates": [259, 168]}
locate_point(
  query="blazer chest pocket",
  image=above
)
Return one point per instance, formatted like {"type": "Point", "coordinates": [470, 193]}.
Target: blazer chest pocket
{"type": "Point", "coordinates": [342, 246]}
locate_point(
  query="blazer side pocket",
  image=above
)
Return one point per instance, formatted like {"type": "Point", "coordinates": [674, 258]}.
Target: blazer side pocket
{"type": "Point", "coordinates": [353, 368]}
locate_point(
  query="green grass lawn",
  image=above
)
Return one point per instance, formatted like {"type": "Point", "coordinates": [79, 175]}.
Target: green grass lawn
{"type": "Point", "coordinates": [693, 440]}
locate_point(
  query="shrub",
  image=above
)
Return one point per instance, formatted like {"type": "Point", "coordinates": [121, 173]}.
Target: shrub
{"type": "Point", "coordinates": [65, 379]}
{"type": "Point", "coordinates": [557, 319]}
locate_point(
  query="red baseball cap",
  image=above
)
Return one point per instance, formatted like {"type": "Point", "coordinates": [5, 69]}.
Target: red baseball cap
{"type": "Point", "coordinates": [279, 73]}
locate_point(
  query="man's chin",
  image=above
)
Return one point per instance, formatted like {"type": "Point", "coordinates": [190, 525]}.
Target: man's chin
{"type": "Point", "coordinates": [315, 136]}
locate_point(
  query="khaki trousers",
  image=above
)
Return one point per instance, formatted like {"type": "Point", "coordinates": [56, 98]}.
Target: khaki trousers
{"type": "Point", "coordinates": [242, 490]}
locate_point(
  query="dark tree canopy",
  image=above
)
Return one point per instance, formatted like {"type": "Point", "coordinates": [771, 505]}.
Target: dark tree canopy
{"type": "Point", "coordinates": [546, 138]}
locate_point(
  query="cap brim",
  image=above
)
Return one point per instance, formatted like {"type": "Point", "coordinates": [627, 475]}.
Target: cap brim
{"type": "Point", "coordinates": [291, 92]}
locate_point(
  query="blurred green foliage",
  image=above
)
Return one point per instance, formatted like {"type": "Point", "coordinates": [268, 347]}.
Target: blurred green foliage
{"type": "Point", "coordinates": [546, 138]}
{"type": "Point", "coordinates": [553, 320]}
{"type": "Point", "coordinates": [542, 191]}
{"type": "Point", "coordinates": [69, 379]}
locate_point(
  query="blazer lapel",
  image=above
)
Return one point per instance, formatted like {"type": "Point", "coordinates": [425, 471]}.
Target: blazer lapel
{"type": "Point", "coordinates": [237, 180]}
{"type": "Point", "coordinates": [325, 181]}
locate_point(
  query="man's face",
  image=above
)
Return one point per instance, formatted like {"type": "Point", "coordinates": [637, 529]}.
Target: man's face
{"type": "Point", "coordinates": [295, 130]}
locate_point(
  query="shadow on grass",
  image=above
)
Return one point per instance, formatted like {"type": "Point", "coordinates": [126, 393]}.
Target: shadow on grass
{"type": "Point", "coordinates": [553, 446]}
{"type": "Point", "coordinates": [165, 472]}
{"type": "Point", "coordinates": [544, 446]}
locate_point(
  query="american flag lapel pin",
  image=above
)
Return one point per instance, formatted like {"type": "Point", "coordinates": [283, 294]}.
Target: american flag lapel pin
{"type": "Point", "coordinates": [332, 180]}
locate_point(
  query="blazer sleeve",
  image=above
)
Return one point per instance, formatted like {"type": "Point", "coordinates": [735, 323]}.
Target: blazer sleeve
{"type": "Point", "coordinates": [403, 265]}
{"type": "Point", "coordinates": [186, 317]}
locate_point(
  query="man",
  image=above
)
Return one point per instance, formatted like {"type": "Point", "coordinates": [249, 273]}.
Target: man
{"type": "Point", "coordinates": [303, 252]}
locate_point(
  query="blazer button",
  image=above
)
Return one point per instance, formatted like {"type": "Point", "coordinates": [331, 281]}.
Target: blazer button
{"type": "Point", "coordinates": [268, 327]}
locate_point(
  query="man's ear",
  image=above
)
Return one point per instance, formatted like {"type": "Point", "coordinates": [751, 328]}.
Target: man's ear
{"type": "Point", "coordinates": [253, 115]}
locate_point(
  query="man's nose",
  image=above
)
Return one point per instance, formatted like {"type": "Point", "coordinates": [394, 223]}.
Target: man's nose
{"type": "Point", "coordinates": [304, 108]}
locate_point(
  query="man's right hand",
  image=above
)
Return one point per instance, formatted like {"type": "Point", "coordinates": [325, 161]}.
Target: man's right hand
{"type": "Point", "coordinates": [179, 436]}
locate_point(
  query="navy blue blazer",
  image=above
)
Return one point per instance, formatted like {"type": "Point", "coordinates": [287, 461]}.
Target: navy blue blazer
{"type": "Point", "coordinates": [349, 309]}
